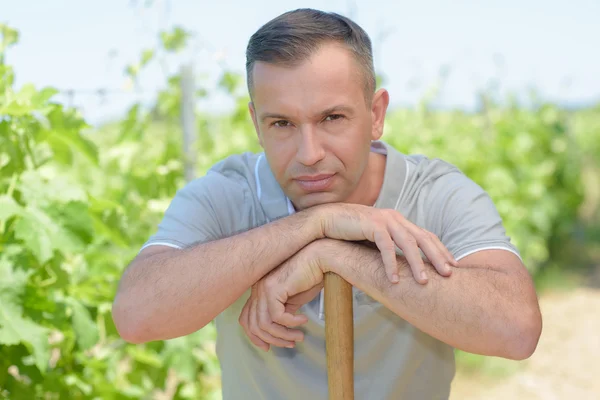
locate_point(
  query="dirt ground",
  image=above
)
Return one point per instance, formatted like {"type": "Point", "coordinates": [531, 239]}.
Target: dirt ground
{"type": "Point", "coordinates": [566, 364]}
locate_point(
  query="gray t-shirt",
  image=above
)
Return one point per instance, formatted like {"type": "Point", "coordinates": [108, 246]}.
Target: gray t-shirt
{"type": "Point", "coordinates": [393, 359]}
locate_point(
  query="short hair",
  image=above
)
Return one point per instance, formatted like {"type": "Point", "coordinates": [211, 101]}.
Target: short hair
{"type": "Point", "coordinates": [293, 37]}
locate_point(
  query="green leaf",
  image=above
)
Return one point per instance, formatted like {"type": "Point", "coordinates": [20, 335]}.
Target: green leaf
{"type": "Point", "coordinates": [9, 207]}
{"type": "Point", "coordinates": [12, 281]}
{"type": "Point", "coordinates": [147, 56]}
{"type": "Point", "coordinates": [86, 331]}
{"type": "Point", "coordinates": [177, 355]}
{"type": "Point", "coordinates": [48, 184]}
{"type": "Point", "coordinates": [35, 237]}
{"type": "Point", "coordinates": [132, 70]}
{"type": "Point", "coordinates": [68, 127]}
{"type": "Point", "coordinates": [230, 81]}
{"type": "Point", "coordinates": [100, 204]}
{"type": "Point", "coordinates": [74, 380]}
{"type": "Point", "coordinates": [10, 36]}
{"type": "Point", "coordinates": [42, 235]}
{"type": "Point", "coordinates": [41, 98]}
{"type": "Point", "coordinates": [176, 40]}
{"type": "Point", "coordinates": [140, 354]}
{"type": "Point", "coordinates": [7, 79]}
{"type": "Point", "coordinates": [74, 217]}
{"type": "Point", "coordinates": [14, 328]}
{"type": "Point", "coordinates": [107, 232]}
{"type": "Point", "coordinates": [62, 151]}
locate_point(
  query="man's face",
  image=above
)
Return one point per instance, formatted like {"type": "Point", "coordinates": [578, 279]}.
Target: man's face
{"type": "Point", "coordinates": [314, 125]}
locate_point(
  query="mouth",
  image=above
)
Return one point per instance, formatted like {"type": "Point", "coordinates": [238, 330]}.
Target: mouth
{"type": "Point", "coordinates": [312, 183]}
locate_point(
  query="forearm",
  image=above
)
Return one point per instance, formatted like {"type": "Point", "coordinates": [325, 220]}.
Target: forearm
{"type": "Point", "coordinates": [477, 309]}
{"type": "Point", "coordinates": [174, 293]}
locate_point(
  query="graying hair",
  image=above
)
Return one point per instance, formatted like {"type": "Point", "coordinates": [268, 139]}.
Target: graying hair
{"type": "Point", "coordinates": [294, 36]}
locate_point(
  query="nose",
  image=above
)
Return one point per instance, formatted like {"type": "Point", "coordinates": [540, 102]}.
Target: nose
{"type": "Point", "coordinates": [310, 150]}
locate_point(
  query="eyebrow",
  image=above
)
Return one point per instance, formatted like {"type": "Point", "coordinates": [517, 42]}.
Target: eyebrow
{"type": "Point", "coordinates": [331, 110]}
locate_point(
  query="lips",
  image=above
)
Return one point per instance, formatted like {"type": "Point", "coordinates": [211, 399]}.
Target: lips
{"type": "Point", "coordinates": [312, 183]}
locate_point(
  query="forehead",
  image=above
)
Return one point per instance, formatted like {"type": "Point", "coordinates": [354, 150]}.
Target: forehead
{"type": "Point", "coordinates": [330, 76]}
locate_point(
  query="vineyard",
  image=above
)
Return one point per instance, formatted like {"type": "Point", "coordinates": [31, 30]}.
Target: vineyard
{"type": "Point", "coordinates": [77, 203]}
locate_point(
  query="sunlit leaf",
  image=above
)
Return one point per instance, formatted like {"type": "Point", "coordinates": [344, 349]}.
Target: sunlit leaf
{"type": "Point", "coordinates": [84, 327]}
{"type": "Point", "coordinates": [68, 128]}
{"type": "Point", "coordinates": [9, 37]}
{"type": "Point", "coordinates": [147, 56]}
{"type": "Point", "coordinates": [35, 236]}
{"type": "Point", "coordinates": [14, 328]}
{"type": "Point", "coordinates": [230, 81]}
{"type": "Point", "coordinates": [175, 40]}
{"type": "Point", "coordinates": [9, 207]}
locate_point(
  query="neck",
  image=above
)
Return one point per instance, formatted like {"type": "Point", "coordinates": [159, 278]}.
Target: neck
{"type": "Point", "coordinates": [371, 181]}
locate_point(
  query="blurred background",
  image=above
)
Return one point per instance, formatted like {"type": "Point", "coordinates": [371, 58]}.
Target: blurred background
{"type": "Point", "coordinates": [107, 108]}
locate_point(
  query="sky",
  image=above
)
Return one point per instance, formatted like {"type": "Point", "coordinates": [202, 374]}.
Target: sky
{"type": "Point", "coordinates": [551, 46]}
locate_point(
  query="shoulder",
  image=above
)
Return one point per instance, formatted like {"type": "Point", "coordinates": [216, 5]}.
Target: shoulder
{"type": "Point", "coordinates": [239, 168]}
{"type": "Point", "coordinates": [234, 174]}
{"type": "Point", "coordinates": [424, 169]}
{"type": "Point", "coordinates": [226, 193]}
{"type": "Point", "coordinates": [435, 188]}
{"type": "Point", "coordinates": [433, 178]}
{"type": "Point", "coordinates": [228, 187]}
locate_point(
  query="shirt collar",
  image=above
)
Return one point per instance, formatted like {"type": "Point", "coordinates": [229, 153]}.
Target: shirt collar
{"type": "Point", "coordinates": [394, 179]}
{"type": "Point", "coordinates": [273, 201]}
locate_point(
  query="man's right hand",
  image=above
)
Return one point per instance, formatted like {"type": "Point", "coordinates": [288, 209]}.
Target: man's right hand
{"type": "Point", "coordinates": [386, 228]}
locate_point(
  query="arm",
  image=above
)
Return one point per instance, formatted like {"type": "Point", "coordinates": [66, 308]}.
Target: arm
{"type": "Point", "coordinates": [488, 306]}
{"type": "Point", "coordinates": [167, 293]}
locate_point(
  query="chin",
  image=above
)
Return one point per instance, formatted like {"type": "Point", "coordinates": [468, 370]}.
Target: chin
{"type": "Point", "coordinates": [315, 199]}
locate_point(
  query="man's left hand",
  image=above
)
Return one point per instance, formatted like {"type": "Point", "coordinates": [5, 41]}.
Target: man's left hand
{"type": "Point", "coordinates": [268, 317]}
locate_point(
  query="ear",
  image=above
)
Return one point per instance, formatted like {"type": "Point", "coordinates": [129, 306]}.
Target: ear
{"type": "Point", "coordinates": [255, 122]}
{"type": "Point", "coordinates": [379, 106]}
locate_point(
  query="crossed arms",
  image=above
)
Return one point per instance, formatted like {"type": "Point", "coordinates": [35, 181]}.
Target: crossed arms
{"type": "Point", "coordinates": [484, 304]}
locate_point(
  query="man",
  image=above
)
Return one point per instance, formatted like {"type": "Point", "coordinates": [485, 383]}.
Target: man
{"type": "Point", "coordinates": [248, 244]}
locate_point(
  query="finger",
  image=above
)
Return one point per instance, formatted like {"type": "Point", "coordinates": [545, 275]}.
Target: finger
{"type": "Point", "coordinates": [258, 342]}
{"type": "Point", "coordinates": [266, 324]}
{"type": "Point", "coordinates": [244, 317]}
{"type": "Point", "coordinates": [281, 332]}
{"type": "Point", "coordinates": [280, 316]}
{"type": "Point", "coordinates": [416, 231]}
{"type": "Point", "coordinates": [451, 260]}
{"type": "Point", "coordinates": [386, 246]}
{"type": "Point", "coordinates": [446, 254]}
{"type": "Point", "coordinates": [265, 336]}
{"type": "Point", "coordinates": [408, 244]}
{"type": "Point", "coordinates": [293, 308]}
{"type": "Point", "coordinates": [436, 240]}
{"type": "Point", "coordinates": [428, 243]}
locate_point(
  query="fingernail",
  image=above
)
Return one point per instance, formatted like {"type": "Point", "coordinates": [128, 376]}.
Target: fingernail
{"type": "Point", "coordinates": [424, 275]}
{"type": "Point", "coordinates": [290, 346]}
{"type": "Point", "coordinates": [395, 278]}
{"type": "Point", "coordinates": [447, 267]}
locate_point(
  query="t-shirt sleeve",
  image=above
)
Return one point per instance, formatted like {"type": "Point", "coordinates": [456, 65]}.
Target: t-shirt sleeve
{"type": "Point", "coordinates": [467, 218]}
{"type": "Point", "coordinates": [205, 209]}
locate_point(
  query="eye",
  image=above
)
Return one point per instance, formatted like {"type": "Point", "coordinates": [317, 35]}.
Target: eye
{"type": "Point", "coordinates": [281, 123]}
{"type": "Point", "coordinates": [334, 117]}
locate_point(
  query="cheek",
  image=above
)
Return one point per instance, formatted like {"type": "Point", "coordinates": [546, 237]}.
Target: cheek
{"type": "Point", "coordinates": [280, 154]}
{"type": "Point", "coordinates": [353, 145]}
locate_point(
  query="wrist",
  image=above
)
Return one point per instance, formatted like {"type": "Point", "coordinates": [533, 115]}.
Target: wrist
{"type": "Point", "coordinates": [328, 255]}
{"type": "Point", "coordinates": [310, 224]}
{"type": "Point", "coordinates": [320, 216]}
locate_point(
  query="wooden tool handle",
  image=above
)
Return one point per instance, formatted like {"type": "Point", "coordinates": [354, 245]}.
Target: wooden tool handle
{"type": "Point", "coordinates": [339, 337]}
